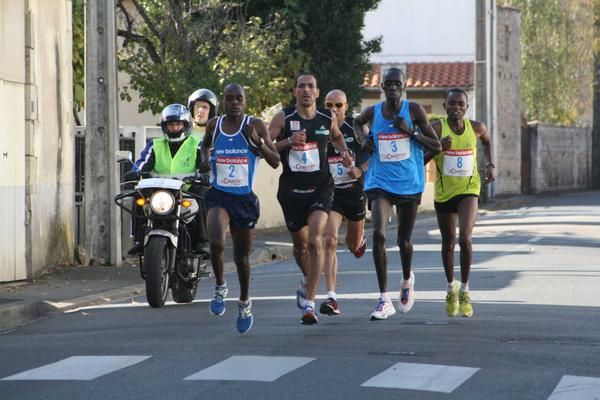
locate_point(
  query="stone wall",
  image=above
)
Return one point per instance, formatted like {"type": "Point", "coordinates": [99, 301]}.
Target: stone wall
{"type": "Point", "coordinates": [560, 158]}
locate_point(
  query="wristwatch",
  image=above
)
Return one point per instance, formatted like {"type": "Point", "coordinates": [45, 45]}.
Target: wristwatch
{"type": "Point", "coordinates": [416, 133]}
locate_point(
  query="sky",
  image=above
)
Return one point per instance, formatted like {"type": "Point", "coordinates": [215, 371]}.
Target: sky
{"type": "Point", "coordinates": [423, 30]}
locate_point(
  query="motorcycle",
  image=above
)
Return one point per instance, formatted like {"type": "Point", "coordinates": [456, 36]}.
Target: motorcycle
{"type": "Point", "coordinates": [167, 261]}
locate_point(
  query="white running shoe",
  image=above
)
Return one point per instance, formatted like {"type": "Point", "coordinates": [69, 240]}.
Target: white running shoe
{"type": "Point", "coordinates": [385, 308]}
{"type": "Point", "coordinates": [407, 294]}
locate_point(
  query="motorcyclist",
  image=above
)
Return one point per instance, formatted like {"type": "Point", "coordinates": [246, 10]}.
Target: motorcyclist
{"type": "Point", "coordinates": [176, 153]}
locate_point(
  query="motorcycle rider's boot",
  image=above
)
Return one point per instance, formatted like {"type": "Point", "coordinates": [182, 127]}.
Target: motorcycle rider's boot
{"type": "Point", "coordinates": [138, 248]}
{"type": "Point", "coordinates": [202, 249]}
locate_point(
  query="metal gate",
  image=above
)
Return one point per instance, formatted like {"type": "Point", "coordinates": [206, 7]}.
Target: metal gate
{"type": "Point", "coordinates": [125, 143]}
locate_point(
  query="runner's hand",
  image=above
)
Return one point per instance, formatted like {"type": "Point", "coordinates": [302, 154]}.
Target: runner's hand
{"type": "Point", "coordinates": [400, 124]}
{"type": "Point", "coordinates": [446, 143]}
{"type": "Point", "coordinates": [298, 137]}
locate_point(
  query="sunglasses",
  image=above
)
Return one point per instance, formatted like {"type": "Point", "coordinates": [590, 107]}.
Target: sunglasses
{"type": "Point", "coordinates": [331, 105]}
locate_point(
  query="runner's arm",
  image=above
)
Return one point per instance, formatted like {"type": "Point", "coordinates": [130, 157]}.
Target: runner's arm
{"type": "Point", "coordinates": [481, 131]}
{"type": "Point", "coordinates": [426, 136]}
{"type": "Point", "coordinates": [437, 127]}
{"type": "Point", "coordinates": [266, 147]}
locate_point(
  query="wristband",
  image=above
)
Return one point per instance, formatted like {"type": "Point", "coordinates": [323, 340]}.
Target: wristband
{"type": "Point", "coordinates": [290, 140]}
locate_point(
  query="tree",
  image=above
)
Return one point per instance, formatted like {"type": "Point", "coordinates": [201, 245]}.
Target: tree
{"type": "Point", "coordinates": [172, 48]}
{"type": "Point", "coordinates": [557, 67]}
{"type": "Point", "coordinates": [78, 54]}
{"type": "Point", "coordinates": [330, 36]}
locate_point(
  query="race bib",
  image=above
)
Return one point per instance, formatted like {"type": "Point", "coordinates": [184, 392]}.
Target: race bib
{"type": "Point", "coordinates": [394, 147]}
{"type": "Point", "coordinates": [458, 162]}
{"type": "Point", "coordinates": [304, 157]}
{"type": "Point", "coordinates": [232, 171]}
{"type": "Point", "coordinates": [338, 171]}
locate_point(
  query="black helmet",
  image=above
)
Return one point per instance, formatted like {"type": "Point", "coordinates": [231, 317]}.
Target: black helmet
{"type": "Point", "coordinates": [204, 95]}
{"type": "Point", "coordinates": [175, 112]}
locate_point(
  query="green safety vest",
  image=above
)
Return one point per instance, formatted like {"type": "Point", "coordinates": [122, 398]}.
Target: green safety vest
{"type": "Point", "coordinates": [184, 160]}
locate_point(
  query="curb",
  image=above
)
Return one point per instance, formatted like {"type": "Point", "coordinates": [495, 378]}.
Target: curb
{"type": "Point", "coordinates": [24, 312]}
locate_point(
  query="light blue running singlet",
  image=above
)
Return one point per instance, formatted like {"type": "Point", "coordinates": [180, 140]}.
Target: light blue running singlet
{"type": "Point", "coordinates": [396, 164]}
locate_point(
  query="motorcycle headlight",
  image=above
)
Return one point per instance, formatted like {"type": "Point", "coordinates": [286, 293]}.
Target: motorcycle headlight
{"type": "Point", "coordinates": [162, 202]}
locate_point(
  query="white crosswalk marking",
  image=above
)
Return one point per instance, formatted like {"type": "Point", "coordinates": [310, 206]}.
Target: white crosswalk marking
{"type": "Point", "coordinates": [250, 368]}
{"type": "Point", "coordinates": [576, 388]}
{"type": "Point", "coordinates": [78, 368]}
{"type": "Point", "coordinates": [433, 378]}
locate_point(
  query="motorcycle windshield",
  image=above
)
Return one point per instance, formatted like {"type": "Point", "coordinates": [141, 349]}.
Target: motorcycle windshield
{"type": "Point", "coordinates": [163, 183]}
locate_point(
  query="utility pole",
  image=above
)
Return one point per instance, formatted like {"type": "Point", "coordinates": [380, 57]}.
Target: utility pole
{"type": "Point", "coordinates": [596, 123]}
{"type": "Point", "coordinates": [485, 79]}
{"type": "Point", "coordinates": [102, 222]}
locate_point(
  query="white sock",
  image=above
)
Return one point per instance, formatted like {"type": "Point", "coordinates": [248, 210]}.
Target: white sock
{"type": "Point", "coordinates": [309, 303]}
{"type": "Point", "coordinates": [303, 281]}
{"type": "Point", "coordinates": [464, 287]}
{"type": "Point", "coordinates": [331, 294]}
{"type": "Point", "coordinates": [384, 296]}
{"type": "Point", "coordinates": [451, 285]}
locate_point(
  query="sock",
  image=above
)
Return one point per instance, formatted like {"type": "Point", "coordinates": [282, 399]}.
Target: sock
{"type": "Point", "coordinates": [464, 287]}
{"type": "Point", "coordinates": [331, 294]}
{"type": "Point", "coordinates": [309, 303]}
{"type": "Point", "coordinates": [384, 296]}
{"type": "Point", "coordinates": [303, 281]}
{"type": "Point", "coordinates": [223, 286]}
{"type": "Point", "coordinates": [451, 285]}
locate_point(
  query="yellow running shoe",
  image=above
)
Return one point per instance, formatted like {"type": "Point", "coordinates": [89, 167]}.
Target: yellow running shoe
{"type": "Point", "coordinates": [452, 300]}
{"type": "Point", "coordinates": [465, 308]}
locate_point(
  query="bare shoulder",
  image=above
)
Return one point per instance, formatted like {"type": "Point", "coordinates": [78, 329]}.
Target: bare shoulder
{"type": "Point", "coordinates": [436, 125]}
{"type": "Point", "coordinates": [478, 126]}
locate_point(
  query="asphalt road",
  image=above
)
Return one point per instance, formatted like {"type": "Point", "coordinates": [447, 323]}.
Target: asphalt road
{"type": "Point", "coordinates": [534, 334]}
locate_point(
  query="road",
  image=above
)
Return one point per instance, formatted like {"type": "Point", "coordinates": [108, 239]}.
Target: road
{"type": "Point", "coordinates": [534, 334]}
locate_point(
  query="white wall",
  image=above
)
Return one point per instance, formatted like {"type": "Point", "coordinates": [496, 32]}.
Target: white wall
{"type": "Point", "coordinates": [423, 30]}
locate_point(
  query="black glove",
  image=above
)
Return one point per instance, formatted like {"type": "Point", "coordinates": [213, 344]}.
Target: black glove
{"type": "Point", "coordinates": [131, 176]}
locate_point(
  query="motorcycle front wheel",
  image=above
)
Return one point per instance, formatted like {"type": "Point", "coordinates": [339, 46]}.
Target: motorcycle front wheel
{"type": "Point", "coordinates": [184, 292]}
{"type": "Point", "coordinates": [156, 266]}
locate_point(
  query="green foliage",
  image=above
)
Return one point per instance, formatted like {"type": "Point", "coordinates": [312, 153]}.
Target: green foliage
{"type": "Point", "coordinates": [78, 27]}
{"type": "Point", "coordinates": [185, 45]}
{"type": "Point", "coordinates": [556, 59]}
{"type": "Point", "coordinates": [330, 36]}
{"type": "Point", "coordinates": [172, 48]}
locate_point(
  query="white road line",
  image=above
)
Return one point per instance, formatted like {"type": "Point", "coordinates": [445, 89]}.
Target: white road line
{"type": "Point", "coordinates": [576, 388]}
{"type": "Point", "coordinates": [250, 368]}
{"type": "Point", "coordinates": [429, 377]}
{"type": "Point", "coordinates": [78, 368]}
{"type": "Point", "coordinates": [279, 244]}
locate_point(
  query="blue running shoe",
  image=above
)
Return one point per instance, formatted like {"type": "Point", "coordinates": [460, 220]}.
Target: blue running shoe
{"type": "Point", "coordinates": [217, 304]}
{"type": "Point", "coordinates": [245, 318]}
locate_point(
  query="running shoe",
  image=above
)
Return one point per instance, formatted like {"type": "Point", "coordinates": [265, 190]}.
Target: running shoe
{"type": "Point", "coordinates": [407, 294]}
{"type": "Point", "coordinates": [301, 295]}
{"type": "Point", "coordinates": [217, 304]}
{"type": "Point", "coordinates": [309, 316]}
{"type": "Point", "coordinates": [361, 250]}
{"type": "Point", "coordinates": [464, 304]}
{"type": "Point", "coordinates": [452, 300]}
{"type": "Point", "coordinates": [385, 308]}
{"type": "Point", "coordinates": [330, 307]}
{"type": "Point", "coordinates": [245, 318]}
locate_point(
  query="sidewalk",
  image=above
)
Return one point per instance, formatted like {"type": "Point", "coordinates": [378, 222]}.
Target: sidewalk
{"type": "Point", "coordinates": [68, 287]}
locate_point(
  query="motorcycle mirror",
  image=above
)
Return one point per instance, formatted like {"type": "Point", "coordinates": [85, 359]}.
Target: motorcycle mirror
{"type": "Point", "coordinates": [123, 155]}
